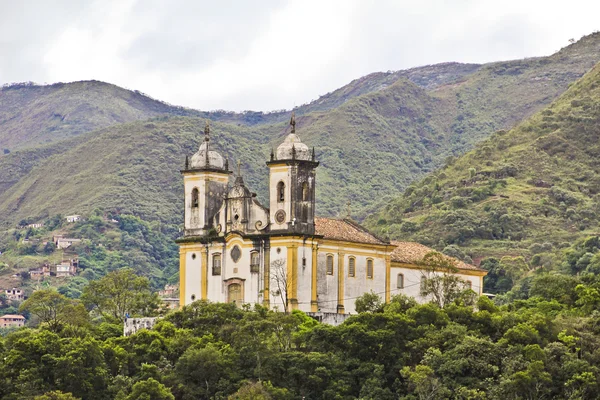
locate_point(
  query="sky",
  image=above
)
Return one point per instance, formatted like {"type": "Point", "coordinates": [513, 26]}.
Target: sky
{"type": "Point", "coordinates": [269, 55]}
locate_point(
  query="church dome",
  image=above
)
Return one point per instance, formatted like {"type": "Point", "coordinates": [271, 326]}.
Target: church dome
{"type": "Point", "coordinates": [291, 145]}
{"type": "Point", "coordinates": [200, 160]}
{"type": "Point", "coordinates": [205, 157]}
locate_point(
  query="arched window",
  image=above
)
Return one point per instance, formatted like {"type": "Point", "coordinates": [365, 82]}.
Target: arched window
{"type": "Point", "coordinates": [254, 261]}
{"type": "Point", "coordinates": [216, 264]}
{"type": "Point", "coordinates": [305, 191]}
{"type": "Point", "coordinates": [400, 281]}
{"type": "Point", "coordinates": [195, 197]}
{"type": "Point", "coordinates": [351, 266]}
{"type": "Point", "coordinates": [280, 192]}
{"type": "Point", "coordinates": [329, 264]}
{"type": "Point", "coordinates": [370, 268]}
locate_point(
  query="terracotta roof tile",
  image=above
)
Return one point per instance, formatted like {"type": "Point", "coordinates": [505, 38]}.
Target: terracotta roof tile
{"type": "Point", "coordinates": [346, 230]}
{"type": "Point", "coordinates": [411, 252]}
{"type": "Point", "coordinates": [12, 316]}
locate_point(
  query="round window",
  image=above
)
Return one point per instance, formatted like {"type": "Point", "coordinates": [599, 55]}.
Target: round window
{"type": "Point", "coordinates": [280, 216]}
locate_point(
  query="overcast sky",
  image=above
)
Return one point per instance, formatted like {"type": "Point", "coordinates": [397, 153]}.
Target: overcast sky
{"type": "Point", "coordinates": [266, 55]}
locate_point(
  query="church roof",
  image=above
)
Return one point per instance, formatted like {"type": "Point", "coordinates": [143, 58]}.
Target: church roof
{"type": "Point", "coordinates": [411, 253]}
{"type": "Point", "coordinates": [346, 230]}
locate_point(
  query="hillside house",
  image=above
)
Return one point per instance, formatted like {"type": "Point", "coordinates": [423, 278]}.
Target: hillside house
{"type": "Point", "coordinates": [12, 321]}
{"type": "Point", "coordinates": [168, 291]}
{"type": "Point", "coordinates": [40, 272]}
{"type": "Point", "coordinates": [63, 242]}
{"type": "Point", "coordinates": [14, 294]}
{"type": "Point", "coordinates": [65, 268]}
{"type": "Point", "coordinates": [73, 218]}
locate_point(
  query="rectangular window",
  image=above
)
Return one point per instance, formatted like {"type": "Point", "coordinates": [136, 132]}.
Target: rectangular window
{"type": "Point", "coordinates": [351, 266]}
{"type": "Point", "coordinates": [216, 265]}
{"type": "Point", "coordinates": [329, 265]}
{"type": "Point", "coordinates": [469, 285]}
{"type": "Point", "coordinates": [423, 284]}
{"type": "Point", "coordinates": [400, 281]}
{"type": "Point", "coordinates": [370, 269]}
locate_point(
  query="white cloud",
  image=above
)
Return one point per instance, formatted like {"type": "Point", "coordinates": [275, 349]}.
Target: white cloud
{"type": "Point", "coordinates": [271, 54]}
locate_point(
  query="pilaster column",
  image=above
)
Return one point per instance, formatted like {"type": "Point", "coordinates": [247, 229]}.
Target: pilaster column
{"type": "Point", "coordinates": [292, 276]}
{"type": "Point", "coordinates": [182, 254]}
{"type": "Point", "coordinates": [267, 273]}
{"type": "Point", "coordinates": [204, 272]}
{"type": "Point", "coordinates": [340, 305]}
{"type": "Point", "coordinates": [314, 302]}
{"type": "Point", "coordinates": [388, 275]}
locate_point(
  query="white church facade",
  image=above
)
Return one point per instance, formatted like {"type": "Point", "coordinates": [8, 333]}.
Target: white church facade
{"type": "Point", "coordinates": [284, 257]}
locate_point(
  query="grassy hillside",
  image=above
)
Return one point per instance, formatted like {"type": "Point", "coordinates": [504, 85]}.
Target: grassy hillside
{"type": "Point", "coordinates": [32, 114]}
{"type": "Point", "coordinates": [384, 132]}
{"type": "Point", "coordinates": [134, 168]}
{"type": "Point", "coordinates": [519, 193]}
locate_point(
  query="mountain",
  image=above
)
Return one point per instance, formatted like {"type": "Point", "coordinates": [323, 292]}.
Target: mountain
{"type": "Point", "coordinates": [532, 189]}
{"type": "Point", "coordinates": [32, 115]}
{"type": "Point", "coordinates": [373, 137]}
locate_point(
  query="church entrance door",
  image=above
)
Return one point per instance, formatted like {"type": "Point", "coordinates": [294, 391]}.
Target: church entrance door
{"type": "Point", "coordinates": [235, 294]}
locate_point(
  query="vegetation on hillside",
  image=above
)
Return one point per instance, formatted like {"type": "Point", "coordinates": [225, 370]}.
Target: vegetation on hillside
{"type": "Point", "coordinates": [109, 242]}
{"type": "Point", "coordinates": [373, 137]}
{"type": "Point", "coordinates": [521, 195]}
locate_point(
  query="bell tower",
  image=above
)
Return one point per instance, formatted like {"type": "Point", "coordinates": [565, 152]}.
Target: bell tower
{"type": "Point", "coordinates": [292, 186]}
{"type": "Point", "coordinates": [205, 181]}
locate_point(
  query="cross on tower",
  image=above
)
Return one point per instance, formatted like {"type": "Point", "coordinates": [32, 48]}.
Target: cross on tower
{"type": "Point", "coordinates": [293, 122]}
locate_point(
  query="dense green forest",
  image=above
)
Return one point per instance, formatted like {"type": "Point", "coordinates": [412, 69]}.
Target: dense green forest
{"type": "Point", "coordinates": [544, 345]}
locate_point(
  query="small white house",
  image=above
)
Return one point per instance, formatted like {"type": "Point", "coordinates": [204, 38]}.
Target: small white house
{"type": "Point", "coordinates": [73, 218]}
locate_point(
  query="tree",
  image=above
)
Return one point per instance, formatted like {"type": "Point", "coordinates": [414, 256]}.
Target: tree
{"type": "Point", "coordinates": [439, 279]}
{"type": "Point", "coordinates": [120, 293]}
{"type": "Point", "coordinates": [423, 382]}
{"type": "Point", "coordinates": [251, 391]}
{"type": "Point", "coordinates": [56, 395]}
{"type": "Point", "coordinates": [150, 389]}
{"type": "Point", "coordinates": [280, 282]}
{"type": "Point", "coordinates": [368, 302]}
{"type": "Point", "coordinates": [54, 309]}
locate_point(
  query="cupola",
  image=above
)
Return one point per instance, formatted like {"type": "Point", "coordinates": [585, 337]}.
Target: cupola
{"type": "Point", "coordinates": [205, 158]}
{"type": "Point", "coordinates": [292, 148]}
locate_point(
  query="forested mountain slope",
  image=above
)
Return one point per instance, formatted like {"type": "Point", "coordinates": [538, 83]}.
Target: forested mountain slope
{"type": "Point", "coordinates": [536, 186]}
{"type": "Point", "coordinates": [384, 132]}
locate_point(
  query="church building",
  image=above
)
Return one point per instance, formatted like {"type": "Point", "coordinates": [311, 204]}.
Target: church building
{"type": "Point", "coordinates": [234, 249]}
